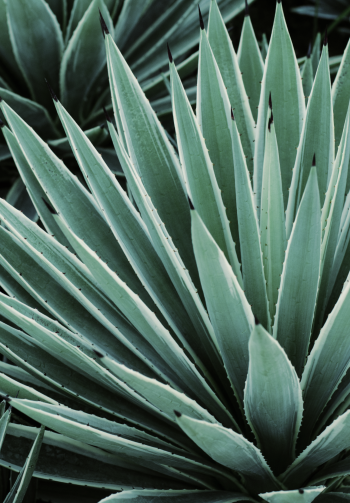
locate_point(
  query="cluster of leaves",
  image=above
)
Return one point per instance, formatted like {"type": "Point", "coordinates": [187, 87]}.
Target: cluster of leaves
{"type": "Point", "coordinates": [188, 341]}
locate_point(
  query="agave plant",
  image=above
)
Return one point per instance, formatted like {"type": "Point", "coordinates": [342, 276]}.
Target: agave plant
{"type": "Point", "coordinates": [191, 342]}
{"type": "Point", "coordinates": [60, 40]}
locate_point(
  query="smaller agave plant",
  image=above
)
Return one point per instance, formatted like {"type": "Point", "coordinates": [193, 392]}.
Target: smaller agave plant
{"type": "Point", "coordinates": [189, 343]}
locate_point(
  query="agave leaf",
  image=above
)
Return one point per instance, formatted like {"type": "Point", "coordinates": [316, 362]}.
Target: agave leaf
{"type": "Point", "coordinates": [227, 61]}
{"type": "Point", "coordinates": [340, 468]}
{"type": "Point", "coordinates": [272, 225]}
{"type": "Point", "coordinates": [264, 47]}
{"type": "Point", "coordinates": [21, 484]}
{"type": "Point", "coordinates": [307, 78]}
{"type": "Point", "coordinates": [127, 226]}
{"type": "Point", "coordinates": [251, 64]}
{"type": "Point", "coordinates": [229, 311]}
{"type": "Point", "coordinates": [4, 422]}
{"type": "Point", "coordinates": [331, 497]}
{"type": "Point", "coordinates": [49, 286]}
{"type": "Point", "coordinates": [38, 61]}
{"type": "Point", "coordinates": [63, 459]}
{"type": "Point", "coordinates": [281, 72]}
{"type": "Point", "coordinates": [340, 98]}
{"type": "Point", "coordinates": [96, 136]}
{"type": "Point", "coordinates": [317, 137]}
{"type": "Point", "coordinates": [84, 58]}
{"type": "Point", "coordinates": [23, 377]}
{"type": "Point", "coordinates": [330, 221]}
{"type": "Point", "coordinates": [300, 277]}
{"type": "Point", "coordinates": [34, 114]}
{"type": "Point", "coordinates": [213, 115]}
{"type": "Point", "coordinates": [198, 170]}
{"type": "Point", "coordinates": [158, 394]}
{"type": "Point", "coordinates": [14, 289]}
{"type": "Point", "coordinates": [318, 386]}
{"type": "Point", "coordinates": [18, 197]}
{"type": "Point", "coordinates": [252, 262]}
{"type": "Point", "coordinates": [151, 154]}
{"type": "Point", "coordinates": [184, 496]}
{"type": "Point", "coordinates": [333, 440]}
{"type": "Point", "coordinates": [184, 376]}
{"type": "Point", "coordinates": [306, 495]}
{"type": "Point", "coordinates": [272, 399]}
{"type": "Point", "coordinates": [11, 387]}
{"type": "Point", "coordinates": [72, 200]}
{"type": "Point", "coordinates": [19, 348]}
{"type": "Point", "coordinates": [103, 425]}
{"type": "Point", "coordinates": [35, 190]}
{"type": "Point", "coordinates": [232, 450]}
{"type": "Point", "coordinates": [316, 53]}
{"type": "Point", "coordinates": [131, 449]}
{"type": "Point", "coordinates": [203, 338]}
{"type": "Point", "coordinates": [129, 17]}
{"type": "Point", "coordinates": [6, 50]}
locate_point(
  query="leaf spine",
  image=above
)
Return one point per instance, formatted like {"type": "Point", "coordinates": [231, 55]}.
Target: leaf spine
{"type": "Point", "coordinates": [201, 23]}
{"type": "Point", "coordinates": [170, 56]}
{"type": "Point", "coordinates": [105, 30]}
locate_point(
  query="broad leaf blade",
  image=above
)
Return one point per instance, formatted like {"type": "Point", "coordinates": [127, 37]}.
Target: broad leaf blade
{"type": "Point", "coordinates": [306, 495]}
{"type": "Point", "coordinates": [251, 65]}
{"type": "Point", "coordinates": [231, 450]}
{"type": "Point", "coordinates": [272, 399]}
{"type": "Point", "coordinates": [252, 262]}
{"type": "Point", "coordinates": [39, 60]}
{"type": "Point", "coordinates": [300, 278]}
{"type": "Point", "coordinates": [228, 308]}
{"type": "Point", "coordinates": [272, 225]}
{"type": "Point", "coordinates": [281, 73]}
{"type": "Point", "coordinates": [227, 61]}
{"type": "Point", "coordinates": [317, 137]}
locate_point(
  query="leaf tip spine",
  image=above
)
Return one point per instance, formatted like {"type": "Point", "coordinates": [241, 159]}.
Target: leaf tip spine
{"type": "Point", "coordinates": [49, 207]}
{"type": "Point", "coordinates": [97, 353]}
{"type": "Point", "coordinates": [246, 12]}
{"type": "Point", "coordinates": [190, 203]}
{"type": "Point", "coordinates": [104, 28]}
{"type": "Point", "coordinates": [108, 118]}
{"type": "Point", "coordinates": [314, 160]}
{"type": "Point", "coordinates": [177, 413]}
{"type": "Point", "coordinates": [201, 22]}
{"type": "Point", "coordinates": [170, 56]}
{"type": "Point", "coordinates": [232, 116]}
{"type": "Point", "coordinates": [270, 101]}
{"type": "Point", "coordinates": [309, 51]}
{"type": "Point", "coordinates": [325, 38]}
{"type": "Point", "coordinates": [52, 92]}
{"type": "Point", "coordinates": [256, 321]}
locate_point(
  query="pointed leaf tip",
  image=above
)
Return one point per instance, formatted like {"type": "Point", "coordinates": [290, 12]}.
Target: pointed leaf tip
{"type": "Point", "coordinates": [97, 353]}
{"type": "Point", "coordinates": [108, 118]}
{"type": "Point", "coordinates": [177, 413]}
{"type": "Point", "coordinates": [270, 101]}
{"type": "Point", "coordinates": [325, 39]}
{"type": "Point", "coordinates": [232, 116]}
{"type": "Point", "coordinates": [314, 160]}
{"type": "Point", "coordinates": [52, 92]}
{"type": "Point", "coordinates": [246, 14]}
{"type": "Point", "coordinates": [270, 122]}
{"type": "Point", "coordinates": [257, 322]}
{"type": "Point", "coordinates": [190, 203]}
{"type": "Point", "coordinates": [201, 23]}
{"type": "Point", "coordinates": [309, 51]}
{"type": "Point", "coordinates": [105, 30]}
{"type": "Point", "coordinates": [49, 207]}
{"type": "Point", "coordinates": [169, 54]}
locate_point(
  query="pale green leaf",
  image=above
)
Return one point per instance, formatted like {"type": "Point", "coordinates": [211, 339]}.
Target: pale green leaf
{"type": "Point", "coordinates": [38, 60]}
{"type": "Point", "coordinates": [281, 73]}
{"type": "Point", "coordinates": [4, 422]}
{"type": "Point", "coordinates": [251, 64]}
{"type": "Point", "coordinates": [305, 495]}
{"type": "Point", "coordinates": [199, 172]}
{"type": "Point", "coordinates": [341, 96]}
{"type": "Point", "coordinates": [300, 278]}
{"type": "Point", "coordinates": [227, 61]}
{"type": "Point", "coordinates": [272, 225]}
{"type": "Point", "coordinates": [317, 138]}
{"type": "Point", "coordinates": [232, 450]}
{"type": "Point", "coordinates": [272, 399]}
{"type": "Point", "coordinates": [249, 235]}
{"type": "Point", "coordinates": [229, 311]}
